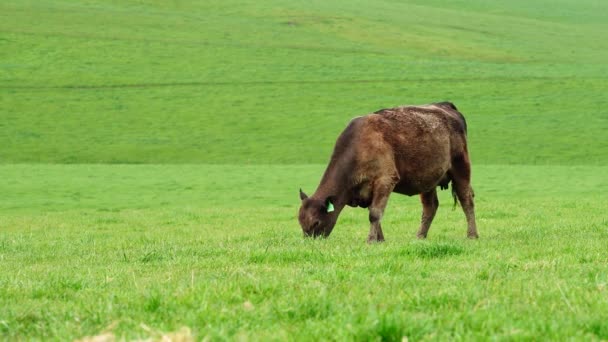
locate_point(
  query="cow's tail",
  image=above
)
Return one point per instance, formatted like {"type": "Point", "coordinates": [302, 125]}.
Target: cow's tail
{"type": "Point", "coordinates": [455, 196]}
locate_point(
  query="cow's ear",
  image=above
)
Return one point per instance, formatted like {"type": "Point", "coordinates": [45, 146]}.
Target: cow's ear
{"type": "Point", "coordinates": [329, 203]}
{"type": "Point", "coordinates": [303, 195]}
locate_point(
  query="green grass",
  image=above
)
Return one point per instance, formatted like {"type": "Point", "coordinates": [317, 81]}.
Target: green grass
{"type": "Point", "coordinates": [232, 106]}
{"type": "Point", "coordinates": [137, 246]}
{"type": "Point", "coordinates": [217, 82]}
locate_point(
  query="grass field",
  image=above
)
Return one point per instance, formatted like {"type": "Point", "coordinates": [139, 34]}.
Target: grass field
{"type": "Point", "coordinates": [151, 154]}
{"type": "Point", "coordinates": [123, 246]}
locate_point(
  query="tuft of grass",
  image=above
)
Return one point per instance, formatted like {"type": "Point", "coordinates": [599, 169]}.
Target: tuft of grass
{"type": "Point", "coordinates": [153, 302]}
{"type": "Point", "coordinates": [384, 328]}
{"type": "Point", "coordinates": [433, 250]}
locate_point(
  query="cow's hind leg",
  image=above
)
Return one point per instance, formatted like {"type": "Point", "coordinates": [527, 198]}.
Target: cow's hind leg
{"type": "Point", "coordinates": [430, 203]}
{"type": "Point", "coordinates": [381, 191]}
{"type": "Point", "coordinates": [461, 181]}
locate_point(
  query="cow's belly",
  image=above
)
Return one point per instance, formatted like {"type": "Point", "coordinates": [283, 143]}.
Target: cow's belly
{"type": "Point", "coordinates": [410, 189]}
{"type": "Point", "coordinates": [421, 169]}
{"type": "Point", "coordinates": [414, 183]}
{"type": "Point", "coordinates": [406, 188]}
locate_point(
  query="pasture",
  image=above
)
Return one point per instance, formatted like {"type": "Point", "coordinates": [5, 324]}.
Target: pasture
{"type": "Point", "coordinates": [151, 154]}
{"type": "Point", "coordinates": [133, 246]}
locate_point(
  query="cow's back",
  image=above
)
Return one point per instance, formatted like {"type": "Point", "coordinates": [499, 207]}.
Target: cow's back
{"type": "Point", "coordinates": [420, 141]}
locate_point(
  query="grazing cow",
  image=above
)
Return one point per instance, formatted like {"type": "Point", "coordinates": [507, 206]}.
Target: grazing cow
{"type": "Point", "coordinates": [408, 150]}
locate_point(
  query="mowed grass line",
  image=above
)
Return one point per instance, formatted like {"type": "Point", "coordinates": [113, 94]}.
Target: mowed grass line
{"type": "Point", "coordinates": [228, 264]}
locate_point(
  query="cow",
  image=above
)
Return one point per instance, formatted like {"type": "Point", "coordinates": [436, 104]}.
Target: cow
{"type": "Point", "coordinates": [409, 150]}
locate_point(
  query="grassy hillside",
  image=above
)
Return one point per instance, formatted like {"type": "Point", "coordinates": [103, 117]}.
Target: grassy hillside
{"type": "Point", "coordinates": [275, 82]}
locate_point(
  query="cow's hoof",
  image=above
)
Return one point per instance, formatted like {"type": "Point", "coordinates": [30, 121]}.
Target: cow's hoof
{"type": "Point", "coordinates": [473, 236]}
{"type": "Point", "coordinates": [374, 240]}
{"type": "Point", "coordinates": [421, 236]}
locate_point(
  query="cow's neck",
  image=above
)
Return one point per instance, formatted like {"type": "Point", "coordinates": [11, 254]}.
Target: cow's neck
{"type": "Point", "coordinates": [335, 183]}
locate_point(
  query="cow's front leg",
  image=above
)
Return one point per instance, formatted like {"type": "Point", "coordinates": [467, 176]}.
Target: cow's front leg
{"type": "Point", "coordinates": [380, 198]}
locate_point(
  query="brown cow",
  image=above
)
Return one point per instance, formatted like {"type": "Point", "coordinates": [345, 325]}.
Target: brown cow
{"type": "Point", "coordinates": [409, 150]}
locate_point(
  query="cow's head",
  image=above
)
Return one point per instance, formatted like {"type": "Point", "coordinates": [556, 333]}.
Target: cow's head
{"type": "Point", "coordinates": [317, 216]}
